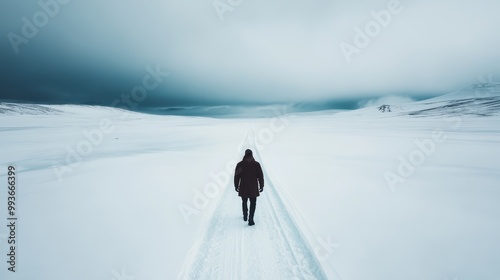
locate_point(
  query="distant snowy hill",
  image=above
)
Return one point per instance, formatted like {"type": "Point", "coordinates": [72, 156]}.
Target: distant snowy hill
{"type": "Point", "coordinates": [477, 100]}
{"type": "Point", "coordinates": [7, 108]}
{"type": "Point", "coordinates": [487, 106]}
{"type": "Point", "coordinates": [26, 109]}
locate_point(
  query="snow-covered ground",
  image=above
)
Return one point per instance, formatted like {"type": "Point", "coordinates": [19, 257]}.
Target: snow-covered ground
{"type": "Point", "coordinates": [109, 194]}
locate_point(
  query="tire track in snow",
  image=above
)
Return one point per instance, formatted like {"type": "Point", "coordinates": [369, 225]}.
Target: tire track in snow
{"type": "Point", "coordinates": [272, 249]}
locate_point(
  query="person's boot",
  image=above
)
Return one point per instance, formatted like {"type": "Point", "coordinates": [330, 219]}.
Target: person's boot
{"type": "Point", "coordinates": [244, 207]}
{"type": "Point", "coordinates": [252, 212]}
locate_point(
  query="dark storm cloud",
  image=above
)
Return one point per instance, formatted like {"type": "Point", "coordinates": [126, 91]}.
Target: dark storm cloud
{"type": "Point", "coordinates": [94, 52]}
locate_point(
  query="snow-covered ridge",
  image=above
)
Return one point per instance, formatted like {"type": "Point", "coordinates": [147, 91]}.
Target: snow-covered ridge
{"type": "Point", "coordinates": [7, 108]}
{"type": "Point", "coordinates": [482, 107]}
{"type": "Point", "coordinates": [481, 100]}
{"type": "Point", "coordinates": [26, 109]}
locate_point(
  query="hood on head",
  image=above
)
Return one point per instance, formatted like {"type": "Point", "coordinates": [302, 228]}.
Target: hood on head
{"type": "Point", "coordinates": [248, 155]}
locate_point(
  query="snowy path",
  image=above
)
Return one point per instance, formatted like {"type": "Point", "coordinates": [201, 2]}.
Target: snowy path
{"type": "Point", "coordinates": [272, 249]}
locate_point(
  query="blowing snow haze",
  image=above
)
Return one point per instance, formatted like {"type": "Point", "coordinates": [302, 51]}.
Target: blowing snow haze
{"type": "Point", "coordinates": [239, 52]}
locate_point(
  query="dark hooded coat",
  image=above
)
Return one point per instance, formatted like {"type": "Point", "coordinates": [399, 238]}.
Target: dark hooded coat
{"type": "Point", "coordinates": [248, 177]}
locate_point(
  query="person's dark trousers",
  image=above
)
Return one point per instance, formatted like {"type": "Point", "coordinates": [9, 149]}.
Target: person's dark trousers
{"type": "Point", "coordinates": [253, 202]}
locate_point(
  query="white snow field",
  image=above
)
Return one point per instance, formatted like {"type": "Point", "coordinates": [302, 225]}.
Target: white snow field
{"type": "Point", "coordinates": [275, 249]}
{"type": "Point", "coordinates": [106, 194]}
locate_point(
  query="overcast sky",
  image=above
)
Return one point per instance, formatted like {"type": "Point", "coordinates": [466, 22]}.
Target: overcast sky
{"type": "Point", "coordinates": [249, 51]}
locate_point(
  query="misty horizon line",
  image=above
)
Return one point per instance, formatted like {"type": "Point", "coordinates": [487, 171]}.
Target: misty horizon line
{"type": "Point", "coordinates": [234, 110]}
{"type": "Point", "coordinates": [332, 103]}
{"type": "Point", "coordinates": [339, 103]}
{"type": "Point", "coordinates": [244, 109]}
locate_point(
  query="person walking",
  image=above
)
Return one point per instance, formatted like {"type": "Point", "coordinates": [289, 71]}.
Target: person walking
{"type": "Point", "coordinates": [248, 182]}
